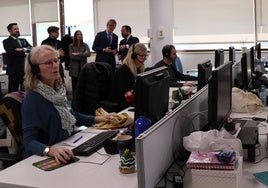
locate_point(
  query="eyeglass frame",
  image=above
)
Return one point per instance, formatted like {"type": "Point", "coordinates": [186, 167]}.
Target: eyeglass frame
{"type": "Point", "coordinates": [50, 62]}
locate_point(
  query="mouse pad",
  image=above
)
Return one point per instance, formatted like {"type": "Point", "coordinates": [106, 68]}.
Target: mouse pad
{"type": "Point", "coordinates": [51, 164]}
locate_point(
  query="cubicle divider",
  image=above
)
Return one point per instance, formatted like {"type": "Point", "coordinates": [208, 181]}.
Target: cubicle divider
{"type": "Point", "coordinates": [156, 146]}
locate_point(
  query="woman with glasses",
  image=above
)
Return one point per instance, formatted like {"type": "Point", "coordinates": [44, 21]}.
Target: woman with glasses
{"type": "Point", "coordinates": [46, 119]}
{"type": "Point", "coordinates": [125, 76]}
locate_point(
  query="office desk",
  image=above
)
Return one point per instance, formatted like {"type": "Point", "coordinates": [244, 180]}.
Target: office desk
{"type": "Point", "coordinates": [79, 174]}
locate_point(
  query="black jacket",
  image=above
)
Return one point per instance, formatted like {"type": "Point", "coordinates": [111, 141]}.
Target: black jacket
{"type": "Point", "coordinates": [93, 85]}
{"type": "Point", "coordinates": [175, 76]}
{"type": "Point", "coordinates": [15, 59]}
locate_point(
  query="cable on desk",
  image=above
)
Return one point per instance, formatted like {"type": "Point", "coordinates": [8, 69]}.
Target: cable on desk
{"type": "Point", "coordinates": [108, 157]}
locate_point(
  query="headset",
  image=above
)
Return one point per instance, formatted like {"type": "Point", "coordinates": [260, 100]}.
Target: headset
{"type": "Point", "coordinates": [34, 68]}
{"type": "Point", "coordinates": [134, 54]}
{"type": "Point", "coordinates": [167, 50]}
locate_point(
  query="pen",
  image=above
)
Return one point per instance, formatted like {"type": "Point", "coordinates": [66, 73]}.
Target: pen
{"type": "Point", "coordinates": [79, 138]}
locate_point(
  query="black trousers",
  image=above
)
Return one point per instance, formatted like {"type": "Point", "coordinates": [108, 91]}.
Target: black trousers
{"type": "Point", "coordinates": [15, 82]}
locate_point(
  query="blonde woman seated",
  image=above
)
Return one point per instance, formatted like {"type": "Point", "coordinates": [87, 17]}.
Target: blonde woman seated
{"type": "Point", "coordinates": [125, 76]}
{"type": "Point", "coordinates": [46, 119]}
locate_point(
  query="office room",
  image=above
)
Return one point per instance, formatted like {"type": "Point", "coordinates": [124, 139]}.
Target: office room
{"type": "Point", "coordinates": [195, 28]}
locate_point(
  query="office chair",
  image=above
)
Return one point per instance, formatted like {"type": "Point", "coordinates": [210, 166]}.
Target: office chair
{"type": "Point", "coordinates": [92, 89]}
{"type": "Point", "coordinates": [10, 113]}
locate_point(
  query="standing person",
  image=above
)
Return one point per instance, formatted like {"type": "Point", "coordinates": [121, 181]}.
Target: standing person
{"type": "Point", "coordinates": [46, 119]}
{"type": "Point", "coordinates": [65, 42]}
{"type": "Point", "coordinates": [105, 44]}
{"type": "Point", "coordinates": [125, 43]}
{"type": "Point", "coordinates": [79, 51]}
{"type": "Point", "coordinates": [52, 40]}
{"type": "Point", "coordinates": [16, 49]}
{"type": "Point", "coordinates": [169, 56]}
{"type": "Point", "coordinates": [125, 76]}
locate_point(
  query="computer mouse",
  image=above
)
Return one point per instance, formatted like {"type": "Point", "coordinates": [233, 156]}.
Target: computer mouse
{"type": "Point", "coordinates": [71, 160]}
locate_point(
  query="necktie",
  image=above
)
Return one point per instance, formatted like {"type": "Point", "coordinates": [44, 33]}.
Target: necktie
{"type": "Point", "coordinates": [18, 40]}
{"type": "Point", "coordinates": [110, 38]}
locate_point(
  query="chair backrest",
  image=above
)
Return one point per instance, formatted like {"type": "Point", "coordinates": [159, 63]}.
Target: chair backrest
{"type": "Point", "coordinates": [93, 85]}
{"type": "Point", "coordinates": [10, 113]}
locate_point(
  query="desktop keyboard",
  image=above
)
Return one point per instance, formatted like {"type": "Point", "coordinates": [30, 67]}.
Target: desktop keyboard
{"type": "Point", "coordinates": [94, 143]}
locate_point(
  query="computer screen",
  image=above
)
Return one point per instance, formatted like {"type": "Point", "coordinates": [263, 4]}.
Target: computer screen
{"type": "Point", "coordinates": [237, 75]}
{"type": "Point", "coordinates": [232, 54]}
{"type": "Point", "coordinates": [152, 94]}
{"type": "Point", "coordinates": [204, 73]}
{"type": "Point", "coordinates": [258, 50]}
{"type": "Point", "coordinates": [246, 71]}
{"type": "Point", "coordinates": [220, 95]}
{"type": "Point", "coordinates": [252, 58]}
{"type": "Point", "coordinates": [219, 57]}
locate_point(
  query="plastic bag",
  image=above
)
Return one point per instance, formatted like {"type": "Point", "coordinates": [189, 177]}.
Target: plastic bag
{"type": "Point", "coordinates": [245, 102]}
{"type": "Point", "coordinates": [212, 140]}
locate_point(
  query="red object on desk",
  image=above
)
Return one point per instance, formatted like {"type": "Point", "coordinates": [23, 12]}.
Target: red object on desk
{"type": "Point", "coordinates": [130, 96]}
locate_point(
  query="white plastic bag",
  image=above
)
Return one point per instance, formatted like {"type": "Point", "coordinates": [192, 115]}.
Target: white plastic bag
{"type": "Point", "coordinates": [212, 140]}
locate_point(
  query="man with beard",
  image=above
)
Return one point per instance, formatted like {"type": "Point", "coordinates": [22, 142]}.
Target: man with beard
{"type": "Point", "coordinates": [16, 49]}
{"type": "Point", "coordinates": [125, 43]}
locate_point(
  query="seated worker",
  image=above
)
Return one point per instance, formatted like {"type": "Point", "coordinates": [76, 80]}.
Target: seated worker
{"type": "Point", "coordinates": [169, 56]}
{"type": "Point", "coordinates": [46, 119]}
{"type": "Point", "coordinates": [125, 76]}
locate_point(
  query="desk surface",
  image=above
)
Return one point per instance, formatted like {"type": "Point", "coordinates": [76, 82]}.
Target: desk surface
{"type": "Point", "coordinates": [85, 174]}
{"type": "Point", "coordinates": [80, 174]}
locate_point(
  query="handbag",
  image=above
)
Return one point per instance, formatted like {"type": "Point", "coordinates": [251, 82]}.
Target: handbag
{"type": "Point", "coordinates": [245, 102]}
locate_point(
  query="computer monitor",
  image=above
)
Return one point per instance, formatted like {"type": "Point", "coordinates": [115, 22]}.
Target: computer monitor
{"type": "Point", "coordinates": [152, 94]}
{"type": "Point", "coordinates": [252, 58]}
{"type": "Point", "coordinates": [232, 54]}
{"type": "Point", "coordinates": [204, 73]}
{"type": "Point", "coordinates": [246, 71]}
{"type": "Point", "coordinates": [220, 95]}
{"type": "Point", "coordinates": [219, 57]}
{"type": "Point", "coordinates": [258, 50]}
{"type": "Point", "coordinates": [237, 75]}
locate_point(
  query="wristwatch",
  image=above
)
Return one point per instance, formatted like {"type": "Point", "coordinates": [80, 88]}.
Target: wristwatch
{"type": "Point", "coordinates": [46, 151]}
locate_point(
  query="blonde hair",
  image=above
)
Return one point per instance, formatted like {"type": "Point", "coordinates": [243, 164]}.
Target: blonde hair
{"type": "Point", "coordinates": [135, 49]}
{"type": "Point", "coordinates": [31, 77]}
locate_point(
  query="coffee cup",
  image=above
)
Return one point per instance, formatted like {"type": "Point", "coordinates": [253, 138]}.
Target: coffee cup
{"type": "Point", "coordinates": [124, 142]}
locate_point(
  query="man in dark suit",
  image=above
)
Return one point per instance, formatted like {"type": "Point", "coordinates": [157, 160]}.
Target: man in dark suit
{"type": "Point", "coordinates": [125, 43]}
{"type": "Point", "coordinates": [16, 49]}
{"type": "Point", "coordinates": [105, 44]}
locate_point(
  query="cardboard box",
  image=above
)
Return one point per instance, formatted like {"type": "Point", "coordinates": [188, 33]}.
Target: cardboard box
{"type": "Point", "coordinates": [217, 178]}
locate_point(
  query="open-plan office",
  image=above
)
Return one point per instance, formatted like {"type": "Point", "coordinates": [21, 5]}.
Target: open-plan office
{"type": "Point", "coordinates": [230, 26]}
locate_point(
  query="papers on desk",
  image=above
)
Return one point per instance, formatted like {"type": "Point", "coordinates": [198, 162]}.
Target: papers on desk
{"type": "Point", "coordinates": [75, 140]}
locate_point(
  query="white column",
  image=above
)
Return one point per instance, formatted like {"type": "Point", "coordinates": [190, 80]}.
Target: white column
{"type": "Point", "coordinates": [161, 27]}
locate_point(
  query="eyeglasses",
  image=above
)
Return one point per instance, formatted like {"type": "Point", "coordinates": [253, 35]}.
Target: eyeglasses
{"type": "Point", "coordinates": [50, 63]}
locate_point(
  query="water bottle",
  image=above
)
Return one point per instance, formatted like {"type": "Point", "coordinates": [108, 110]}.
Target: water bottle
{"type": "Point", "coordinates": [141, 125]}
{"type": "Point", "coordinates": [262, 94]}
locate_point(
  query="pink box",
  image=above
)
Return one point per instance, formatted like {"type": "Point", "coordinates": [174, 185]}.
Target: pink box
{"type": "Point", "coordinates": [217, 178]}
